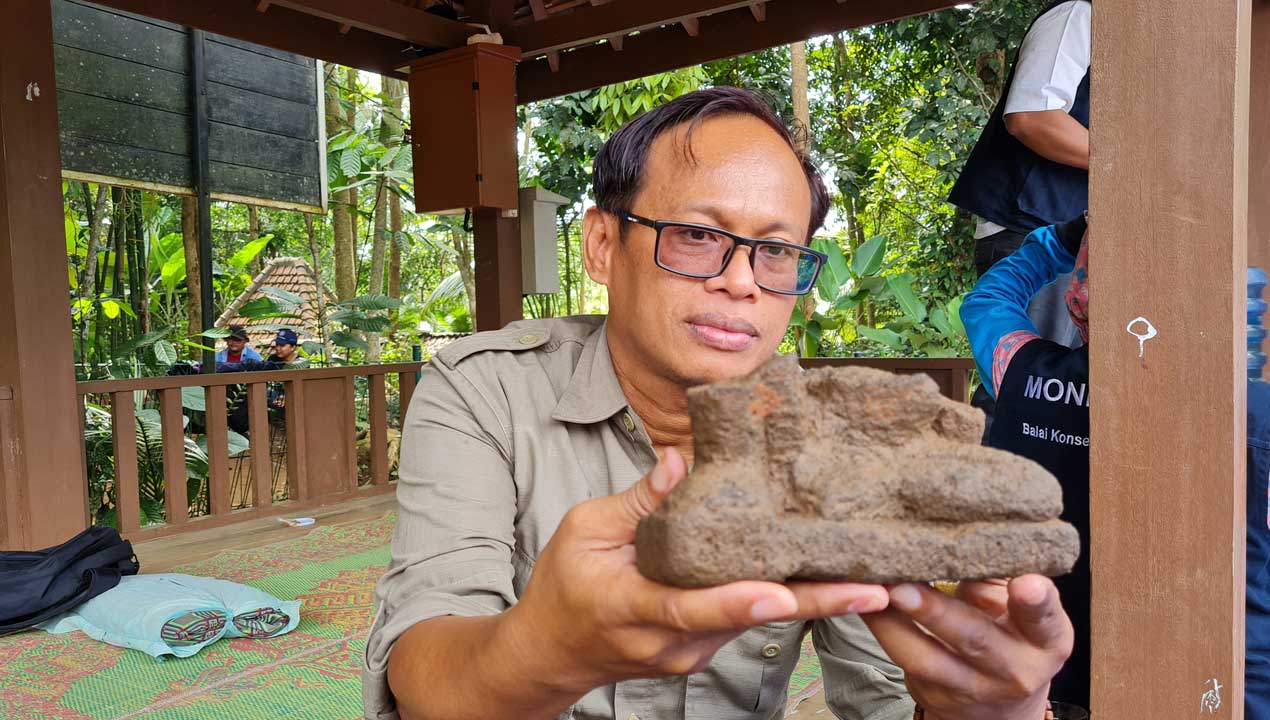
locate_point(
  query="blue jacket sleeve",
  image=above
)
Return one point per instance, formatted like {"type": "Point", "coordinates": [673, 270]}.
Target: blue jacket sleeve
{"type": "Point", "coordinates": [997, 306]}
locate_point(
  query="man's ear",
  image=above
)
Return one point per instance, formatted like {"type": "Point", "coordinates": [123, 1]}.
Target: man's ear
{"type": "Point", "coordinates": [600, 244]}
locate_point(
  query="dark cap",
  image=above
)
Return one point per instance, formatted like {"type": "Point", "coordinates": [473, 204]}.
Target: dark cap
{"type": "Point", "coordinates": [287, 336]}
{"type": "Point", "coordinates": [237, 332]}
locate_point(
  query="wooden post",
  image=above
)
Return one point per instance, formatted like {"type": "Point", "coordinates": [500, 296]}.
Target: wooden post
{"type": "Point", "coordinates": [123, 431]}
{"type": "Point", "coordinates": [258, 424]}
{"type": "Point", "coordinates": [36, 361]}
{"type": "Point", "coordinates": [175, 475]}
{"type": "Point", "coordinates": [498, 273]}
{"type": "Point", "coordinates": [378, 412]}
{"type": "Point", "coordinates": [217, 418]}
{"type": "Point", "coordinates": [1168, 253]}
{"type": "Point", "coordinates": [1259, 141]}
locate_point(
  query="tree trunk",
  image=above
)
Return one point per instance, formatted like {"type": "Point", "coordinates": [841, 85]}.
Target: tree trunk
{"type": "Point", "coordinates": [141, 256]}
{"type": "Point", "coordinates": [253, 234]}
{"type": "Point", "coordinates": [97, 216]}
{"type": "Point", "coordinates": [354, 198]}
{"type": "Point", "coordinates": [343, 203]}
{"type": "Point", "coordinates": [462, 241]}
{"type": "Point", "coordinates": [798, 76]}
{"type": "Point", "coordinates": [193, 281]}
{"type": "Point", "coordinates": [395, 226]}
{"type": "Point", "coordinates": [802, 125]}
{"type": "Point", "coordinates": [316, 256]}
{"type": "Point", "coordinates": [582, 276]}
{"type": "Point", "coordinates": [394, 92]}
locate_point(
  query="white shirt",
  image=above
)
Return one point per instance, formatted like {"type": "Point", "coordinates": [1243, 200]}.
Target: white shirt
{"type": "Point", "coordinates": [1053, 61]}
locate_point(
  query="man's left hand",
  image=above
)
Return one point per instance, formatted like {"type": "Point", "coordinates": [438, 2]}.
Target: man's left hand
{"type": "Point", "coordinates": [990, 652]}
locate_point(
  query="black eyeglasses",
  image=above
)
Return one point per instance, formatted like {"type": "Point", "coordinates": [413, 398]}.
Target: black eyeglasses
{"type": "Point", "coordinates": [702, 251]}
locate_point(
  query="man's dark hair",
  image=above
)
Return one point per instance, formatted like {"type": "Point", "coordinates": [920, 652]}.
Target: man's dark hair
{"type": "Point", "coordinates": [618, 173]}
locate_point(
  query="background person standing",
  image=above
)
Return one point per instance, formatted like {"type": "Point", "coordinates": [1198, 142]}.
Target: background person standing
{"type": "Point", "coordinates": [1030, 167]}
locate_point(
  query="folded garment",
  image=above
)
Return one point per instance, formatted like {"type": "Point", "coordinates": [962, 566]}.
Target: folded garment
{"type": "Point", "coordinates": [38, 585]}
{"type": "Point", "coordinates": [172, 614]}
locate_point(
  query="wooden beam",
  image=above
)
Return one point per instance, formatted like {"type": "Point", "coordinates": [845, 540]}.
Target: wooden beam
{"type": "Point", "coordinates": [553, 61]}
{"type": "Point", "coordinates": [1169, 213]}
{"type": "Point", "coordinates": [387, 19]}
{"type": "Point", "coordinates": [1259, 140]}
{"type": "Point", "coordinates": [759, 11]}
{"type": "Point", "coordinates": [586, 26]}
{"type": "Point", "coordinates": [41, 445]}
{"type": "Point", "coordinates": [616, 41]}
{"type": "Point", "coordinates": [721, 35]}
{"type": "Point", "coordinates": [499, 298]}
{"type": "Point", "coordinates": [691, 25]}
{"type": "Point", "coordinates": [281, 28]}
{"type": "Point", "coordinates": [539, 10]}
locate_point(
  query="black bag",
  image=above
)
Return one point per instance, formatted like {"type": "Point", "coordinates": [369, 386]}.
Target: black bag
{"type": "Point", "coordinates": [35, 586]}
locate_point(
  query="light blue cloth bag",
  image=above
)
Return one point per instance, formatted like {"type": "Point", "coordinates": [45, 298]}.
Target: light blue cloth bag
{"type": "Point", "coordinates": [171, 614]}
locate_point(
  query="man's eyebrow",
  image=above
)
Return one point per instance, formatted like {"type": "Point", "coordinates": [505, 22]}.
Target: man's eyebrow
{"type": "Point", "coordinates": [717, 218]}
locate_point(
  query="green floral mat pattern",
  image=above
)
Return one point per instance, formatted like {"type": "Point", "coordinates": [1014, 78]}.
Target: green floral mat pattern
{"type": "Point", "coordinates": [312, 673]}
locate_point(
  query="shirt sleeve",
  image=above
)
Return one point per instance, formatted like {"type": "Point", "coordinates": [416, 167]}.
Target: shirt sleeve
{"type": "Point", "coordinates": [861, 682]}
{"type": "Point", "coordinates": [995, 311]}
{"type": "Point", "coordinates": [452, 549]}
{"type": "Point", "coordinates": [1053, 60]}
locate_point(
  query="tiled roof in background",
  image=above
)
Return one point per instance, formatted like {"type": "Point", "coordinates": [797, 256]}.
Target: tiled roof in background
{"type": "Point", "coordinates": [292, 275]}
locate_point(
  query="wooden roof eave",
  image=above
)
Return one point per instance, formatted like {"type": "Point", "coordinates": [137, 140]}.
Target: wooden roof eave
{"type": "Point", "coordinates": [375, 35]}
{"type": "Point", "coordinates": [721, 35]}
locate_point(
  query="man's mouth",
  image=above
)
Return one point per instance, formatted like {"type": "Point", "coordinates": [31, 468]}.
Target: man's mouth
{"type": "Point", "coordinates": [723, 332]}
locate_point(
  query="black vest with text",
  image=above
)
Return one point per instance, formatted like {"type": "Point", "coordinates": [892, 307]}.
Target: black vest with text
{"type": "Point", "coordinates": [1007, 183]}
{"type": "Point", "coordinates": [1042, 413]}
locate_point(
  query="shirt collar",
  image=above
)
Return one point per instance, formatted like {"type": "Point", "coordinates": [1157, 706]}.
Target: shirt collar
{"type": "Point", "coordinates": [593, 394]}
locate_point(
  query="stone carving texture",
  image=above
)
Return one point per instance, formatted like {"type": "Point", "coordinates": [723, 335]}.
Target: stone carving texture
{"type": "Point", "coordinates": [854, 474]}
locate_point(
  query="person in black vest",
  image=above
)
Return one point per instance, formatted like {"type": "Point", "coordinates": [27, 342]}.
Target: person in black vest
{"type": "Point", "coordinates": [1030, 167]}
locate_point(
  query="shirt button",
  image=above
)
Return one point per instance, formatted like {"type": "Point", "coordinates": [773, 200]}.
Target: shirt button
{"type": "Point", "coordinates": [629, 422]}
{"type": "Point", "coordinates": [771, 650]}
{"type": "Point", "coordinates": [528, 339]}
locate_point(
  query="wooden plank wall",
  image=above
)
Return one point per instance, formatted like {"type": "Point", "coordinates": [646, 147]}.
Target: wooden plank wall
{"type": "Point", "coordinates": [1168, 242]}
{"type": "Point", "coordinates": [123, 93]}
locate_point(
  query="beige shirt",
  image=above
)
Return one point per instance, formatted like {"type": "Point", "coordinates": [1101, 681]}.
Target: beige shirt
{"type": "Point", "coordinates": [506, 431]}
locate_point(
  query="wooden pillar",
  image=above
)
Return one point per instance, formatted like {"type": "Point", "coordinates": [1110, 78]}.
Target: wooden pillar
{"type": "Point", "coordinates": [1259, 141]}
{"type": "Point", "coordinates": [1169, 222]}
{"type": "Point", "coordinates": [36, 361]}
{"type": "Point", "coordinates": [498, 273]}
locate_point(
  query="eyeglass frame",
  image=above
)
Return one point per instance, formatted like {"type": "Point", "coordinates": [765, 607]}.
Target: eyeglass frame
{"type": "Point", "coordinates": [737, 241]}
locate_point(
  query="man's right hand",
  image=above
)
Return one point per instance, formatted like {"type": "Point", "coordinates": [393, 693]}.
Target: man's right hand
{"type": "Point", "coordinates": [588, 618]}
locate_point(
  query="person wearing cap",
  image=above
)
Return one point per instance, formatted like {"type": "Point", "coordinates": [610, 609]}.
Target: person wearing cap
{"type": "Point", "coordinates": [236, 348]}
{"type": "Point", "coordinates": [286, 350]}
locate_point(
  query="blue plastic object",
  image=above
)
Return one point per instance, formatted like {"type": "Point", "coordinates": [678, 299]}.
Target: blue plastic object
{"type": "Point", "coordinates": [1256, 330]}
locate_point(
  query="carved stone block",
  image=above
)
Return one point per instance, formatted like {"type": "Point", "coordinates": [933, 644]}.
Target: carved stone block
{"type": "Point", "coordinates": [851, 474]}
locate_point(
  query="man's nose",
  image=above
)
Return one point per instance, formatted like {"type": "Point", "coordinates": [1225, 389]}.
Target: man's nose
{"type": "Point", "coordinates": [737, 279]}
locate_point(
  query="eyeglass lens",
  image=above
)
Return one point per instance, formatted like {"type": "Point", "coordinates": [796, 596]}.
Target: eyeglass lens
{"type": "Point", "coordinates": [695, 251]}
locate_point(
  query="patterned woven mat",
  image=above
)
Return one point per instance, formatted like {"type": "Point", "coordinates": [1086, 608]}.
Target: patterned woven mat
{"type": "Point", "coordinates": [312, 673]}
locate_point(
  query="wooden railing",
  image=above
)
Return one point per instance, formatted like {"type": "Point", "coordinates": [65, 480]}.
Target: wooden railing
{"type": "Point", "coordinates": [319, 416]}
{"type": "Point", "coordinates": [952, 375]}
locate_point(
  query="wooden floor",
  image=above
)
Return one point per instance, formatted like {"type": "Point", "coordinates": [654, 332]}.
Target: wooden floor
{"type": "Point", "coordinates": [165, 553]}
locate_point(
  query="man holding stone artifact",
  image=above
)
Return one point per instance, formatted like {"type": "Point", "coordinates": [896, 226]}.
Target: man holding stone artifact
{"type": "Point", "coordinates": [530, 455]}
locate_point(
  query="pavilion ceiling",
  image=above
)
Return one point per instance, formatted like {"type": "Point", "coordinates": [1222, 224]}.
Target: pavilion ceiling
{"type": "Point", "coordinates": [568, 45]}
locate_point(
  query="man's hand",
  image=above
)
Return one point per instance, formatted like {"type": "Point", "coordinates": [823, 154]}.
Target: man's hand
{"type": "Point", "coordinates": [988, 653]}
{"type": "Point", "coordinates": [588, 618]}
